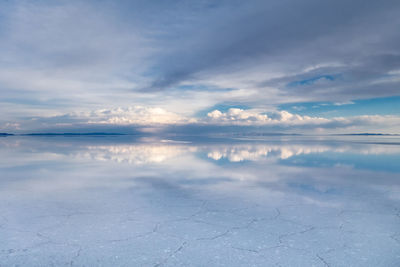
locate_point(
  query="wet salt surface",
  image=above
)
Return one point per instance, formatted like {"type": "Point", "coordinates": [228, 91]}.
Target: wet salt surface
{"type": "Point", "coordinates": [290, 201]}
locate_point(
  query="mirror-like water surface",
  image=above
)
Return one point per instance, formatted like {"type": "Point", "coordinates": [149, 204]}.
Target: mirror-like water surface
{"type": "Point", "coordinates": [111, 201]}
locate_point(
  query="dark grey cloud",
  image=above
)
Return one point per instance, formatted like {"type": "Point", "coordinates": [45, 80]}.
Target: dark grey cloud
{"type": "Point", "coordinates": [285, 36]}
{"type": "Point", "coordinates": [368, 77]}
{"type": "Point", "coordinates": [185, 56]}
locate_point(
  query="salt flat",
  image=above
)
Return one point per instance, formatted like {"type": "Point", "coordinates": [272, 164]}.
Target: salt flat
{"type": "Point", "coordinates": [279, 201]}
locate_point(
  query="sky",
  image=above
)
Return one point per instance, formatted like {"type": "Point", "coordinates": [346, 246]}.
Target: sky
{"type": "Point", "coordinates": [200, 66]}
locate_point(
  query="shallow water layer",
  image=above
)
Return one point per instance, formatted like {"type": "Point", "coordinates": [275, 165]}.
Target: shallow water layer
{"type": "Point", "coordinates": [118, 201]}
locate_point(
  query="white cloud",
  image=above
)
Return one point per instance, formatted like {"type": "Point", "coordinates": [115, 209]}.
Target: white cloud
{"type": "Point", "coordinates": [343, 103]}
{"type": "Point", "coordinates": [245, 120]}
{"type": "Point", "coordinates": [285, 119]}
{"type": "Point", "coordinates": [238, 116]}
{"type": "Point", "coordinates": [132, 115]}
{"type": "Point", "coordinates": [72, 55]}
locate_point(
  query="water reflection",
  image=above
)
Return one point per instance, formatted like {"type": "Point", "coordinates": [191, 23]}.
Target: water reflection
{"type": "Point", "coordinates": [83, 201]}
{"type": "Point", "coordinates": [135, 154]}
{"type": "Point", "coordinates": [160, 151]}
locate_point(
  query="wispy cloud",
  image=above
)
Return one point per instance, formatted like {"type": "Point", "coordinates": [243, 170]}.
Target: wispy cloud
{"type": "Point", "coordinates": [72, 56]}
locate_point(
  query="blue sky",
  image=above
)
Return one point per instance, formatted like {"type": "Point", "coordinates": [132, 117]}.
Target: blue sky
{"type": "Point", "coordinates": [293, 66]}
{"type": "Point", "coordinates": [372, 106]}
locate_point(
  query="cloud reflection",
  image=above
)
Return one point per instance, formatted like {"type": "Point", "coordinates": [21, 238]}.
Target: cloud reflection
{"type": "Point", "coordinates": [135, 154]}
{"type": "Point", "coordinates": [153, 152]}
{"type": "Point", "coordinates": [258, 152]}
{"type": "Point", "coordinates": [122, 197]}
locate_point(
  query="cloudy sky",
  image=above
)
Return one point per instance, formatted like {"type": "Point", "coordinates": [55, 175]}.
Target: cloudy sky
{"type": "Point", "coordinates": [278, 65]}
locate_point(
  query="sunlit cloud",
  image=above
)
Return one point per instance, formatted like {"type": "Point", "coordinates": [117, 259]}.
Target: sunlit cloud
{"type": "Point", "coordinates": [76, 58]}
{"type": "Point", "coordinates": [134, 115]}
{"type": "Point", "coordinates": [159, 120]}
{"type": "Point", "coordinates": [250, 117]}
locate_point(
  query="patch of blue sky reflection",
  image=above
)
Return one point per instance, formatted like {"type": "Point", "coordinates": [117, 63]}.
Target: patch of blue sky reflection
{"type": "Point", "coordinates": [69, 201]}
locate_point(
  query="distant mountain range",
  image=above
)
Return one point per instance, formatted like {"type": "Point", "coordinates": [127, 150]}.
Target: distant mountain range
{"type": "Point", "coordinates": [5, 134]}
{"type": "Point", "coordinates": [62, 134]}
{"type": "Point", "coordinates": [234, 134]}
{"type": "Point", "coordinates": [373, 134]}
{"type": "Point", "coordinates": [70, 134]}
